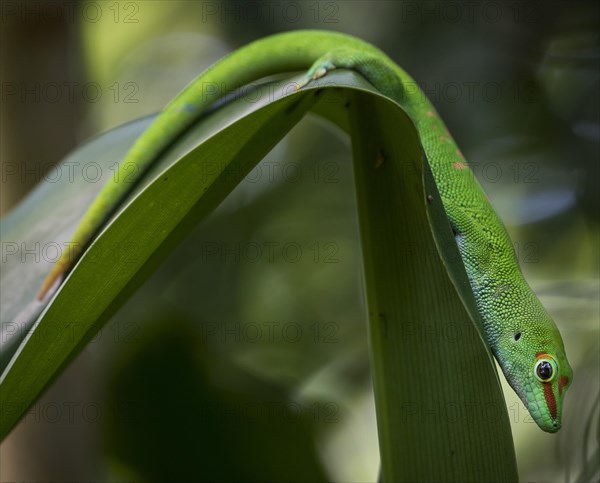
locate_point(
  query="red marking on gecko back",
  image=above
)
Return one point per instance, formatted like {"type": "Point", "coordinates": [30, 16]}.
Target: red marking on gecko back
{"type": "Point", "coordinates": [550, 399]}
{"type": "Point", "coordinates": [459, 165]}
{"type": "Point", "coordinates": [430, 113]}
{"type": "Point", "coordinates": [562, 382]}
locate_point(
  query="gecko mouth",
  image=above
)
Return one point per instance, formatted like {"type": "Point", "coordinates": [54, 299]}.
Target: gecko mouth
{"type": "Point", "coordinates": [535, 406]}
{"type": "Point", "coordinates": [563, 381]}
{"type": "Point", "coordinates": [549, 424]}
{"type": "Point", "coordinates": [550, 401]}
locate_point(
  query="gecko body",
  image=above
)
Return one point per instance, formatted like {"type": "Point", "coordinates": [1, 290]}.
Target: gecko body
{"type": "Point", "coordinates": [520, 332]}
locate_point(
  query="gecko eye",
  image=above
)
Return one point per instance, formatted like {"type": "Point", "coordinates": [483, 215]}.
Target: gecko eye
{"type": "Point", "coordinates": [544, 370]}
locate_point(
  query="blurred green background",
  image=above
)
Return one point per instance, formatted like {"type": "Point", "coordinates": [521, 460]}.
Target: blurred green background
{"type": "Point", "coordinates": [273, 373]}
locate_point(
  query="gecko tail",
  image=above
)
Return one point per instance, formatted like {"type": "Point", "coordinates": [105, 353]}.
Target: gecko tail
{"type": "Point", "coordinates": [52, 281]}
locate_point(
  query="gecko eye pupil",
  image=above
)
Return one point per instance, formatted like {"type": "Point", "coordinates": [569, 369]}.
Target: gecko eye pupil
{"type": "Point", "coordinates": [544, 370]}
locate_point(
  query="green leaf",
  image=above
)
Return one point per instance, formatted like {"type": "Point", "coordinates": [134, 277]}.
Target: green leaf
{"type": "Point", "coordinates": [440, 410]}
{"type": "Point", "coordinates": [439, 403]}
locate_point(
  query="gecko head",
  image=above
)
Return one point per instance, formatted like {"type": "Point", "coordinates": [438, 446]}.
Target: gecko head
{"type": "Point", "coordinates": [536, 366]}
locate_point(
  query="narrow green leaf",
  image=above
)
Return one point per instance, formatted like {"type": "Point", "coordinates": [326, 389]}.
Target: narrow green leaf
{"type": "Point", "coordinates": [438, 401]}
{"type": "Point", "coordinates": [441, 414]}
{"type": "Point", "coordinates": [36, 232]}
{"type": "Point", "coordinates": [141, 236]}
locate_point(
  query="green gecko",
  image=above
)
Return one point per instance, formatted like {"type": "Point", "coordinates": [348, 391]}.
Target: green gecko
{"type": "Point", "coordinates": [521, 334]}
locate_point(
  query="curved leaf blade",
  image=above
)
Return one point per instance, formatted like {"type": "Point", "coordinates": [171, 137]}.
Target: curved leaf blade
{"type": "Point", "coordinates": [437, 395]}
{"type": "Point", "coordinates": [404, 292]}
{"type": "Point", "coordinates": [139, 237]}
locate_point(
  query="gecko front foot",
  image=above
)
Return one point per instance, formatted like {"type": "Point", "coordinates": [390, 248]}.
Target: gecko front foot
{"type": "Point", "coordinates": [319, 69]}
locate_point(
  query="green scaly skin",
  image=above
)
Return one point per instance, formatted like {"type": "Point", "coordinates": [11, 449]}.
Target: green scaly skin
{"type": "Point", "coordinates": [521, 334]}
